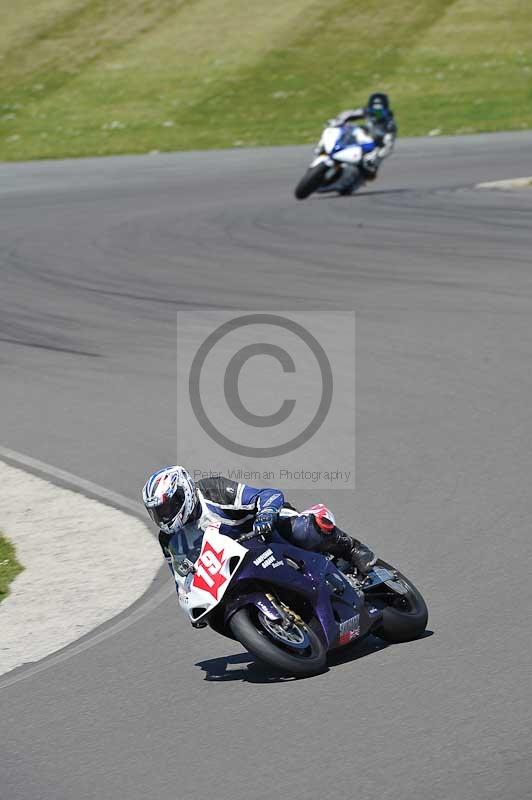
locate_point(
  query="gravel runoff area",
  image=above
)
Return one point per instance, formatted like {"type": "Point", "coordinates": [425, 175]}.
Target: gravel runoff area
{"type": "Point", "coordinates": [76, 572]}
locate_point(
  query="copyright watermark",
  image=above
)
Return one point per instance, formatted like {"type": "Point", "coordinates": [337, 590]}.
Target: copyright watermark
{"type": "Point", "coordinates": [267, 397]}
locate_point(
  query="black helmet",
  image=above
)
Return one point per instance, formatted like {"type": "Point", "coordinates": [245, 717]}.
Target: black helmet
{"type": "Point", "coordinates": [379, 107]}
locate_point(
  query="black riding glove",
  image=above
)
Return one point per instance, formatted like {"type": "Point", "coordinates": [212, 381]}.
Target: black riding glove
{"type": "Point", "coordinates": [264, 522]}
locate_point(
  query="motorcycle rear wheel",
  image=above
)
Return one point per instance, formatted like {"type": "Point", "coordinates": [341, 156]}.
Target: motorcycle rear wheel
{"type": "Point", "coordinates": [406, 617]}
{"type": "Point", "coordinates": [311, 180]}
{"type": "Point", "coordinates": [349, 190]}
{"type": "Point", "coordinates": [261, 642]}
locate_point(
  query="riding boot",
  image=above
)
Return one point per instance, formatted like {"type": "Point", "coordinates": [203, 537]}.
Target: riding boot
{"type": "Point", "coordinates": [342, 545]}
{"type": "Point", "coordinates": [370, 165]}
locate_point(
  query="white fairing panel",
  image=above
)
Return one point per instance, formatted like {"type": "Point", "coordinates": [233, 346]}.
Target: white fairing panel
{"type": "Point", "coordinates": [218, 561]}
{"type": "Point", "coordinates": [321, 160]}
{"type": "Point", "coordinates": [361, 136]}
{"type": "Point", "coordinates": [350, 155]}
{"type": "Point", "coordinates": [329, 137]}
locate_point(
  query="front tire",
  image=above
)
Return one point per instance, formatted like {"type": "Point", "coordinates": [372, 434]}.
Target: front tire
{"type": "Point", "coordinates": [405, 617]}
{"type": "Point", "coordinates": [311, 180]}
{"type": "Point", "coordinates": [309, 657]}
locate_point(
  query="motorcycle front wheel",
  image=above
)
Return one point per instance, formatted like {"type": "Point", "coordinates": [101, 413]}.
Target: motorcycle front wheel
{"type": "Point", "coordinates": [297, 650]}
{"type": "Point", "coordinates": [311, 180]}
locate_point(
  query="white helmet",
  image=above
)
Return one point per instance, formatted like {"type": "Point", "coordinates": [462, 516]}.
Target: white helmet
{"type": "Point", "coordinates": [170, 498]}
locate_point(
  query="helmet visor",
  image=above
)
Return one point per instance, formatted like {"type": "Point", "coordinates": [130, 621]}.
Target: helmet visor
{"type": "Point", "coordinates": [167, 511]}
{"type": "Point", "coordinates": [380, 114]}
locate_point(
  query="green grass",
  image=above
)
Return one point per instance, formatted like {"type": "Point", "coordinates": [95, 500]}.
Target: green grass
{"type": "Point", "coordinates": [81, 77]}
{"type": "Point", "coordinates": [9, 566]}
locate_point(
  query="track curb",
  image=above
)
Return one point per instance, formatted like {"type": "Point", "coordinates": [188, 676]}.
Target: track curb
{"type": "Point", "coordinates": [155, 595]}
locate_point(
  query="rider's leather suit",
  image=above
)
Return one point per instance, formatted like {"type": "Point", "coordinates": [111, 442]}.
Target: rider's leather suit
{"type": "Point", "coordinates": [234, 506]}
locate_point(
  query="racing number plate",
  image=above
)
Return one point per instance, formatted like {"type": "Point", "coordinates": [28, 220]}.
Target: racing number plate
{"type": "Point", "coordinates": [208, 575]}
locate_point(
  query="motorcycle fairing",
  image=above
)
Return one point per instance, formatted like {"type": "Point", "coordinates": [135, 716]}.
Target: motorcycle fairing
{"type": "Point", "coordinates": [257, 599]}
{"type": "Point", "coordinates": [345, 144]}
{"type": "Point", "coordinates": [330, 138]}
{"type": "Point", "coordinates": [201, 590]}
{"type": "Point", "coordinates": [322, 159]}
{"type": "Point", "coordinates": [349, 155]}
{"type": "Point", "coordinates": [277, 565]}
{"type": "Point", "coordinates": [311, 575]}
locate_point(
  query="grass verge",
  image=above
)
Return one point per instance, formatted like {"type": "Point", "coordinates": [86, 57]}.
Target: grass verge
{"type": "Point", "coordinates": [9, 566]}
{"type": "Point", "coordinates": [80, 77]}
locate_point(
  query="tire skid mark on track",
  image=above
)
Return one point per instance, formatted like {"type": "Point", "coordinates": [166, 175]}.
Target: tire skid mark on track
{"type": "Point", "coordinates": [52, 348]}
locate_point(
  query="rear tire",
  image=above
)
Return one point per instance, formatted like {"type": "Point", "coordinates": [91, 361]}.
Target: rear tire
{"type": "Point", "coordinates": [246, 627]}
{"type": "Point", "coordinates": [352, 189]}
{"type": "Point", "coordinates": [311, 180]}
{"type": "Point", "coordinates": [408, 619]}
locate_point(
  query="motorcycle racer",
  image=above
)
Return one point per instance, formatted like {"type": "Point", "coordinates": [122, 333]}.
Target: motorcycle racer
{"type": "Point", "coordinates": [172, 499]}
{"type": "Point", "coordinates": [316, 529]}
{"type": "Point", "coordinates": [376, 120]}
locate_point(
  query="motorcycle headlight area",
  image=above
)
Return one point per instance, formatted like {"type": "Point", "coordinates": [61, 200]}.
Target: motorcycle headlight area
{"type": "Point", "coordinates": [182, 565]}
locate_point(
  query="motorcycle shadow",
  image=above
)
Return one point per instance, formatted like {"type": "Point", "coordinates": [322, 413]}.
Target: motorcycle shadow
{"type": "Point", "coordinates": [244, 667]}
{"type": "Point", "coordinates": [360, 193]}
{"type": "Point", "coordinates": [223, 669]}
{"type": "Point", "coordinates": [365, 647]}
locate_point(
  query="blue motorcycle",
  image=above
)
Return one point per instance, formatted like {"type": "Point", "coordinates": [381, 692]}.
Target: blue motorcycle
{"type": "Point", "coordinates": [289, 607]}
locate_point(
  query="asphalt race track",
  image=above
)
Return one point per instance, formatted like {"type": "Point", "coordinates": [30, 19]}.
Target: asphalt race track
{"type": "Point", "coordinates": [96, 256]}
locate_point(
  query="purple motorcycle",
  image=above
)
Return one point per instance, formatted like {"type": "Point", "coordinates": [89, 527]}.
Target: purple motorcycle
{"type": "Point", "coordinates": [289, 607]}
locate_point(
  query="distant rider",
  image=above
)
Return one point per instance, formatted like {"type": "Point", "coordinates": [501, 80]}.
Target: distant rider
{"type": "Point", "coordinates": [172, 499]}
{"type": "Point", "coordinates": [378, 123]}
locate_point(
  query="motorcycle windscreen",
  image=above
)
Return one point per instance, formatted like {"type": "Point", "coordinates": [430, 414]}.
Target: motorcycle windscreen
{"type": "Point", "coordinates": [185, 544]}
